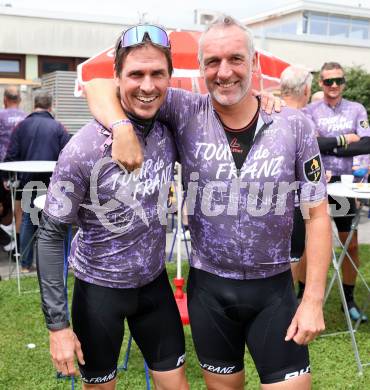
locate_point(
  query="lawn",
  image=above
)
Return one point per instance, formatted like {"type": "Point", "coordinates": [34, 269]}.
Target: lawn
{"type": "Point", "coordinates": [22, 323]}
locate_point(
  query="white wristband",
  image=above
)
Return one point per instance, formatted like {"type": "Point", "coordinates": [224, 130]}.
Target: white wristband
{"type": "Point", "coordinates": [119, 122]}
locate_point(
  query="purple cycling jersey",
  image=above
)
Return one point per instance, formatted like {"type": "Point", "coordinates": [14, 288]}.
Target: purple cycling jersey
{"type": "Point", "coordinates": [241, 221]}
{"type": "Point", "coordinates": [345, 118]}
{"type": "Point", "coordinates": [9, 118]}
{"type": "Point", "coordinates": [120, 242]}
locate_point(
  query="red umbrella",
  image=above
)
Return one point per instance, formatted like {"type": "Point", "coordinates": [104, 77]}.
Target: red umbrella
{"type": "Point", "coordinates": [184, 56]}
{"type": "Point", "coordinates": [186, 75]}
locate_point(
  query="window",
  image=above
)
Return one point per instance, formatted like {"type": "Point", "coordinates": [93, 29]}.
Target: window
{"type": "Point", "coordinates": [338, 30]}
{"type": "Point", "coordinates": [335, 26]}
{"type": "Point", "coordinates": [289, 28]}
{"type": "Point", "coordinates": [318, 24]}
{"type": "Point", "coordinates": [359, 29]}
{"type": "Point", "coordinates": [339, 26]}
{"type": "Point", "coordinates": [52, 64]}
{"type": "Point", "coordinates": [12, 66]}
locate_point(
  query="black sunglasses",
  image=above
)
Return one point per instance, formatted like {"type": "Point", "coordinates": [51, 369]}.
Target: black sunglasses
{"type": "Point", "coordinates": [336, 80]}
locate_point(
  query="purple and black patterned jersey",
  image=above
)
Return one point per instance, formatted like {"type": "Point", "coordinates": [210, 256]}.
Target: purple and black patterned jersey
{"type": "Point", "coordinates": [345, 118]}
{"type": "Point", "coordinates": [241, 220]}
{"type": "Point", "coordinates": [120, 242]}
{"type": "Point", "coordinates": [9, 118]}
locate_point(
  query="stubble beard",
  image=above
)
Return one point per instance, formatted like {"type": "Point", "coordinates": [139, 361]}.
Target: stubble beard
{"type": "Point", "coordinates": [226, 101]}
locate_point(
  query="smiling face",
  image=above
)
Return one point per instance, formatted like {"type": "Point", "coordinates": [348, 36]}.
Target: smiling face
{"type": "Point", "coordinates": [227, 64]}
{"type": "Point", "coordinates": [333, 92]}
{"type": "Point", "coordinates": [143, 81]}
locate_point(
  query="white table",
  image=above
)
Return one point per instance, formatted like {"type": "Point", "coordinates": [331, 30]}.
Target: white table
{"type": "Point", "coordinates": [15, 167]}
{"type": "Point", "coordinates": [28, 166]}
{"type": "Point", "coordinates": [338, 191]}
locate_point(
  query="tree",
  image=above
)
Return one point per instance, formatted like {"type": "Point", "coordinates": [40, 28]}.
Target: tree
{"type": "Point", "coordinates": [357, 86]}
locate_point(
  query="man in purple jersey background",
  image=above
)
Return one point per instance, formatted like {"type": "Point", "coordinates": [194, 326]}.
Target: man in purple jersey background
{"type": "Point", "coordinates": [236, 161]}
{"type": "Point", "coordinates": [336, 117]}
{"type": "Point", "coordinates": [118, 252]}
{"type": "Point", "coordinates": [295, 86]}
{"type": "Point", "coordinates": [10, 116]}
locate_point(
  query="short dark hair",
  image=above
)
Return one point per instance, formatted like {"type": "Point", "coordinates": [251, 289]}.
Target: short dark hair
{"type": "Point", "coordinates": [121, 54]}
{"type": "Point", "coordinates": [43, 100]}
{"type": "Point", "coordinates": [12, 93]}
{"type": "Point", "coordinates": [331, 66]}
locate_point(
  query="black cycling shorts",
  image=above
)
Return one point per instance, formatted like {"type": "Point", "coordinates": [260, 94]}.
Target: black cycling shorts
{"type": "Point", "coordinates": [298, 239]}
{"type": "Point", "coordinates": [343, 221]}
{"type": "Point", "coordinates": [98, 315]}
{"type": "Point", "coordinates": [5, 200]}
{"type": "Point", "coordinates": [225, 314]}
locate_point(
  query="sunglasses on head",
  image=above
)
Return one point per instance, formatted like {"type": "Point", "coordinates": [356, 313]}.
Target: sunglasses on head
{"type": "Point", "coordinates": [136, 35]}
{"type": "Point", "coordinates": [336, 80]}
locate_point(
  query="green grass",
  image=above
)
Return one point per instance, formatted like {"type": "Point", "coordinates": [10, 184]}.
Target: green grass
{"type": "Point", "coordinates": [21, 323]}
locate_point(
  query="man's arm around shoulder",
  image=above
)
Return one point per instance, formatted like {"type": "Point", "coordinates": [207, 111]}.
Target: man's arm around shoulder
{"type": "Point", "coordinates": [106, 108]}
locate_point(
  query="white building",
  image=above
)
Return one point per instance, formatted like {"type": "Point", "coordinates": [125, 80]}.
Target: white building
{"type": "Point", "coordinates": [311, 33]}
{"type": "Point", "coordinates": [44, 48]}
{"type": "Point", "coordinates": [33, 43]}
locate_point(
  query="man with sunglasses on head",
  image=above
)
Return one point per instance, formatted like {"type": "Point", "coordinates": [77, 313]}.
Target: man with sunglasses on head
{"type": "Point", "coordinates": [240, 289]}
{"type": "Point", "coordinates": [337, 119]}
{"type": "Point", "coordinates": [118, 252]}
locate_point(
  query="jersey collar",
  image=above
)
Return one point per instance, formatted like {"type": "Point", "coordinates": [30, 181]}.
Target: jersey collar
{"type": "Point", "coordinates": [264, 120]}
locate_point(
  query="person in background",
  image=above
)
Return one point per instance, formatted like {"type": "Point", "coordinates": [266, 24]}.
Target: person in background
{"type": "Point", "coordinates": [319, 95]}
{"type": "Point", "coordinates": [38, 137]}
{"type": "Point", "coordinates": [295, 86]}
{"type": "Point", "coordinates": [338, 118]}
{"type": "Point", "coordinates": [10, 116]}
{"type": "Point", "coordinates": [360, 168]}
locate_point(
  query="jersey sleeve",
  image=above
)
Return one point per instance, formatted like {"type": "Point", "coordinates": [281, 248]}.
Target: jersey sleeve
{"type": "Point", "coordinates": [307, 112]}
{"type": "Point", "coordinates": [69, 184]}
{"type": "Point", "coordinates": [363, 128]}
{"type": "Point", "coordinates": [179, 107]}
{"type": "Point", "coordinates": [310, 172]}
{"type": "Point", "coordinates": [13, 152]}
{"type": "Point", "coordinates": [2, 125]}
